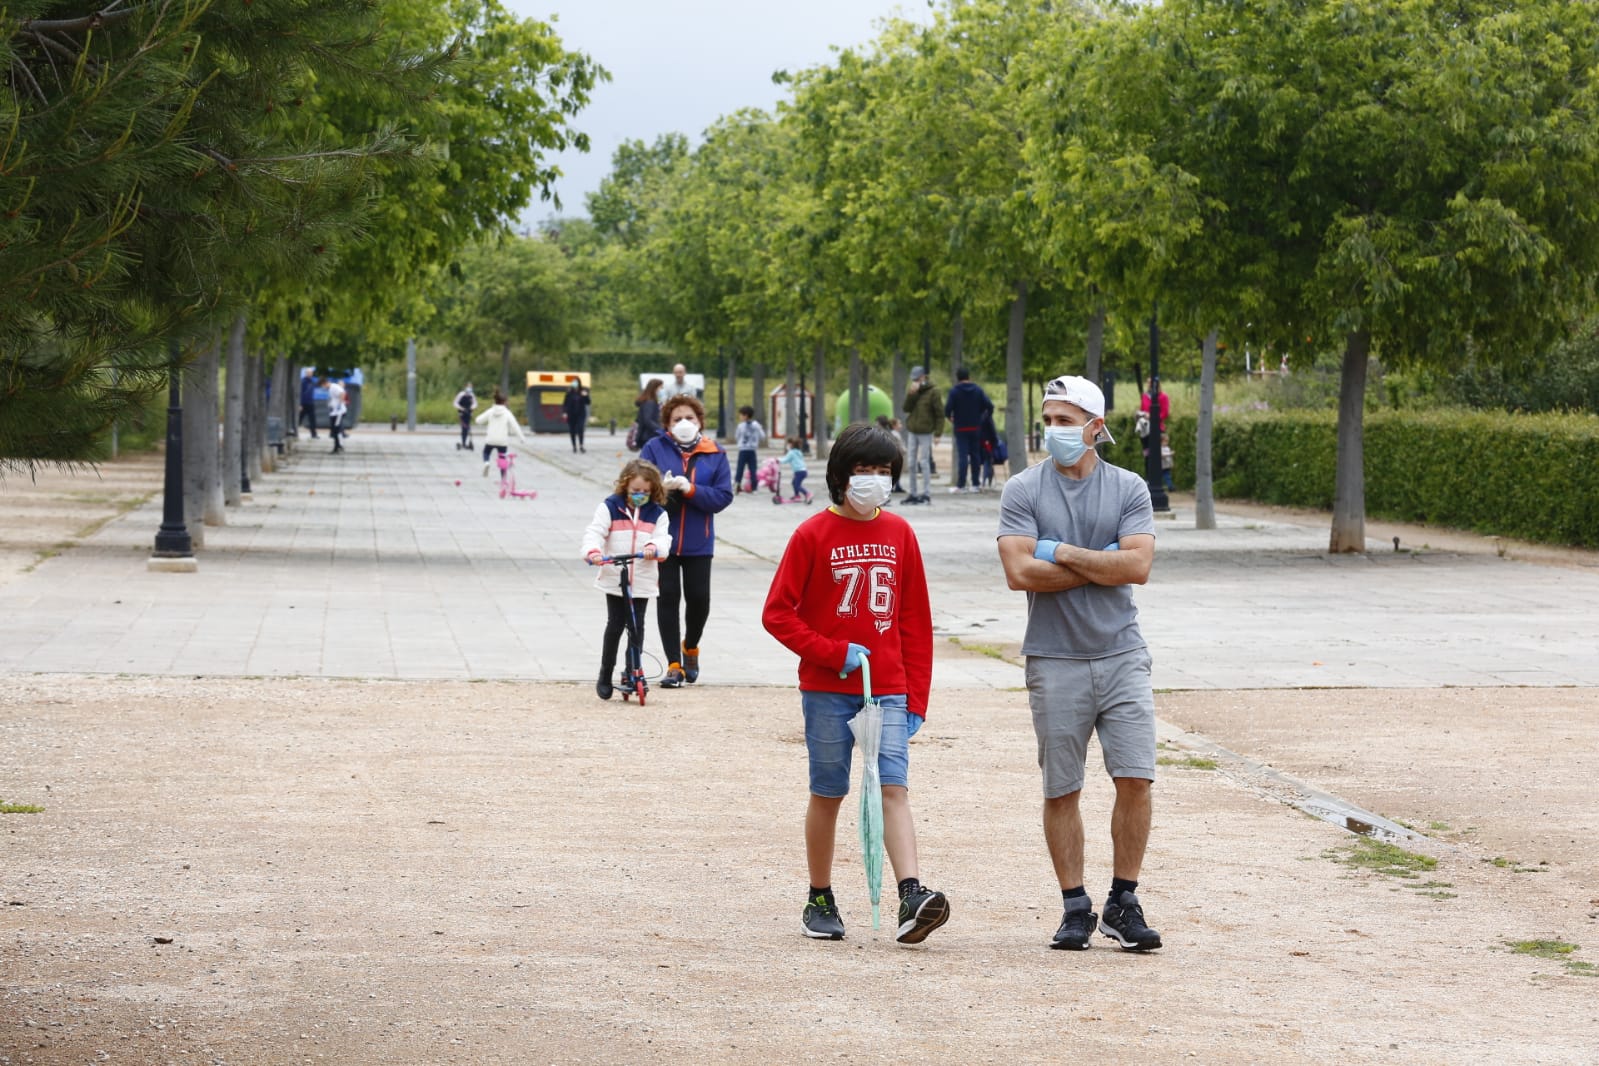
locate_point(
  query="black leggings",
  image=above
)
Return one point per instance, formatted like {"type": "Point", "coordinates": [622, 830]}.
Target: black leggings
{"type": "Point", "coordinates": [686, 578]}
{"type": "Point", "coordinates": [616, 628]}
{"type": "Point", "coordinates": [487, 448]}
{"type": "Point", "coordinates": [576, 433]}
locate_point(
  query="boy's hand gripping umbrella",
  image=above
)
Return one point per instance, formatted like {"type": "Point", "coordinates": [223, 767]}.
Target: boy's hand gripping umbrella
{"type": "Point", "coordinates": [868, 729]}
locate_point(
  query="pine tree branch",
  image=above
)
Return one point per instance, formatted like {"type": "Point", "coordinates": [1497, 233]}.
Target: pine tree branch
{"type": "Point", "coordinates": [113, 12]}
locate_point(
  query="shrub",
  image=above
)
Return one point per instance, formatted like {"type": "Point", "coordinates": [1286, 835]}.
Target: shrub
{"type": "Point", "coordinates": [1530, 476]}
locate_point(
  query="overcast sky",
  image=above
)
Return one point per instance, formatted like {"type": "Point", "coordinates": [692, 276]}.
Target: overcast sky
{"type": "Point", "coordinates": [678, 65]}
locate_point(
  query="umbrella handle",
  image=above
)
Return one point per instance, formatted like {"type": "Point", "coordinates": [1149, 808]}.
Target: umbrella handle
{"type": "Point", "coordinates": [866, 677]}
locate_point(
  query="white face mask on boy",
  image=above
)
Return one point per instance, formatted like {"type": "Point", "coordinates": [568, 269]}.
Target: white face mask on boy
{"type": "Point", "coordinates": [868, 491]}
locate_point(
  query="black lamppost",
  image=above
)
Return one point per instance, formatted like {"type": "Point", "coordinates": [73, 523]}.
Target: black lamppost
{"type": "Point", "coordinates": [1152, 471]}
{"type": "Point", "coordinates": [172, 540]}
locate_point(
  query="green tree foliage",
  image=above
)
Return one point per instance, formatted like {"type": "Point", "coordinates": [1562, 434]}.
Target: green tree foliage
{"type": "Point", "coordinates": [515, 290]}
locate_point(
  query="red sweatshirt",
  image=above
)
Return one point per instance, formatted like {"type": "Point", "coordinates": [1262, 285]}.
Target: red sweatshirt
{"type": "Point", "coordinates": [844, 582]}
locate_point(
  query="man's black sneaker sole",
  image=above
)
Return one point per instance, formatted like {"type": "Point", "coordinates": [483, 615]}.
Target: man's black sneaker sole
{"type": "Point", "coordinates": [1127, 945]}
{"type": "Point", "coordinates": [933, 913]}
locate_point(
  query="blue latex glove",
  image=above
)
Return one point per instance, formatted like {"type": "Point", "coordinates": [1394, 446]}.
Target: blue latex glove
{"type": "Point", "coordinates": [1046, 550]}
{"type": "Point", "coordinates": [852, 660]}
{"type": "Point", "coordinates": [913, 722]}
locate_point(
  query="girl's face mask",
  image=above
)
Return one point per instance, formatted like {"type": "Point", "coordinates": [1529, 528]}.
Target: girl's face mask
{"type": "Point", "coordinates": [638, 499]}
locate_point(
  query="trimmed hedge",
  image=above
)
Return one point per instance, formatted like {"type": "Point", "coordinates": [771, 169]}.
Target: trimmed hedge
{"type": "Point", "coordinates": [1530, 476]}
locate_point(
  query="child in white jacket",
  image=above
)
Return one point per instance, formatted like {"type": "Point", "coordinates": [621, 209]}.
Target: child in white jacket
{"type": "Point", "coordinates": [632, 519]}
{"type": "Point", "coordinates": [500, 421]}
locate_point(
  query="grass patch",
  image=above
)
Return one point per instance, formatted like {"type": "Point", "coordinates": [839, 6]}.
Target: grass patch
{"type": "Point", "coordinates": [1382, 858]}
{"type": "Point", "coordinates": [1542, 949]}
{"type": "Point", "coordinates": [20, 808]}
{"type": "Point", "coordinates": [1187, 762]}
{"type": "Point", "coordinates": [993, 651]}
{"type": "Point", "coordinates": [1440, 827]}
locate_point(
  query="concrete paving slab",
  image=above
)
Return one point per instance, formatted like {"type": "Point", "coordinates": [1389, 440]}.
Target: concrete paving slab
{"type": "Point", "coordinates": [375, 563]}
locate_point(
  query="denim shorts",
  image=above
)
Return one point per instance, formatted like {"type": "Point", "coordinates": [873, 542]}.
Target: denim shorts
{"type": "Point", "coordinates": [830, 743]}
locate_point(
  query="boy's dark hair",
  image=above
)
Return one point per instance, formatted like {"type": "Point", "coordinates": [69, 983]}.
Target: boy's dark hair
{"type": "Point", "coordinates": [862, 444]}
{"type": "Point", "coordinates": [963, 374]}
{"type": "Point", "coordinates": [747, 411]}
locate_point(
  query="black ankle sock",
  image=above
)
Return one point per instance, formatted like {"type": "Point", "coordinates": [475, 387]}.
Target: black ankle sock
{"type": "Point", "coordinates": [1118, 886]}
{"type": "Point", "coordinates": [826, 893]}
{"type": "Point", "coordinates": [1073, 893]}
{"type": "Point", "coordinates": [907, 886]}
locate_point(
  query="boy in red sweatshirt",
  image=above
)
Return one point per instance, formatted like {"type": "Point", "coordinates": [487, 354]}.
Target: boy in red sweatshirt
{"type": "Point", "coordinates": [851, 585]}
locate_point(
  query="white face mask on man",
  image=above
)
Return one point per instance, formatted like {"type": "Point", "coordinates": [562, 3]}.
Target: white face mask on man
{"type": "Point", "coordinates": [867, 492]}
{"type": "Point", "coordinates": [685, 430]}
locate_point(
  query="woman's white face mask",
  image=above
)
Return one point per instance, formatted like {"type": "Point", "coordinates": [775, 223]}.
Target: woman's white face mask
{"type": "Point", "coordinates": [685, 429]}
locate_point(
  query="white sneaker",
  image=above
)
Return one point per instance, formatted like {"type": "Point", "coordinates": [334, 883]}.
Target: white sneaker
{"type": "Point", "coordinates": [485, 469]}
{"type": "Point", "coordinates": [953, 489]}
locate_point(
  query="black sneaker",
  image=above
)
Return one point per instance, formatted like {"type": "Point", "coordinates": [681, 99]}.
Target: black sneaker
{"type": "Point", "coordinates": [602, 687]}
{"type": "Point", "coordinates": [1123, 922]}
{"type": "Point", "coordinates": [821, 920]}
{"type": "Point", "coordinates": [674, 676]}
{"type": "Point", "coordinates": [920, 913]}
{"type": "Point", "coordinates": [1076, 925]}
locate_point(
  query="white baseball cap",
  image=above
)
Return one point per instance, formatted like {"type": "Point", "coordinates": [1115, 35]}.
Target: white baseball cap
{"type": "Point", "coordinates": [1080, 392]}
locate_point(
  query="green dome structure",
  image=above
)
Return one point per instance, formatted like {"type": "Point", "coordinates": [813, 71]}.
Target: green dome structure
{"type": "Point", "coordinates": [877, 403]}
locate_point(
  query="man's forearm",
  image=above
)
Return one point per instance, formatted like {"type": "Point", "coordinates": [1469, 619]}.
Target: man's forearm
{"type": "Point", "coordinates": [1102, 567]}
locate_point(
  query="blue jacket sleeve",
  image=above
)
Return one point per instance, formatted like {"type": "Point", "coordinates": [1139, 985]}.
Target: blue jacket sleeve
{"type": "Point", "coordinates": [713, 484]}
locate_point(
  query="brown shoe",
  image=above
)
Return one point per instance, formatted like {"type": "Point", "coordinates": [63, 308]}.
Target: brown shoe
{"type": "Point", "coordinates": [691, 665]}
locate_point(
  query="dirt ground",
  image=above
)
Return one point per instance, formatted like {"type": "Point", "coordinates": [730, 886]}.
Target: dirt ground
{"type": "Point", "coordinates": [50, 511]}
{"type": "Point", "coordinates": [269, 871]}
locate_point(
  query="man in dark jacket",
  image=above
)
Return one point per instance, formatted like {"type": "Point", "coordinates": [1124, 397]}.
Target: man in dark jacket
{"type": "Point", "coordinates": [308, 400]}
{"type": "Point", "coordinates": [965, 408]}
{"type": "Point", "coordinates": [575, 409]}
{"type": "Point", "coordinates": [924, 420]}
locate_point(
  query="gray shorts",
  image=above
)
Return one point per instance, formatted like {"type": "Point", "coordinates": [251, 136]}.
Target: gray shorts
{"type": "Point", "coordinates": [1072, 698]}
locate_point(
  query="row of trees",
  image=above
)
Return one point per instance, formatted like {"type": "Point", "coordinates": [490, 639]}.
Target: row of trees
{"type": "Point", "coordinates": [1397, 177]}
{"type": "Point", "coordinates": [300, 177]}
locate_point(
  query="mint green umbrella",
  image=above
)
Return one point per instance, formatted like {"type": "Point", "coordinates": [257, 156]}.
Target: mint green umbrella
{"type": "Point", "coordinates": [868, 729]}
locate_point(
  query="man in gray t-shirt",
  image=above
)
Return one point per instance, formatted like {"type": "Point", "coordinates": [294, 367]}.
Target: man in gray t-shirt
{"type": "Point", "coordinates": [1075, 534]}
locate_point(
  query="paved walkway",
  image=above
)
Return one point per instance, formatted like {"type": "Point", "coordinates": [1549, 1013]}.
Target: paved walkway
{"type": "Point", "coordinates": [377, 563]}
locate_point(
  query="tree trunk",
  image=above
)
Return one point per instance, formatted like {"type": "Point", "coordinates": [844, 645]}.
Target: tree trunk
{"type": "Point", "coordinates": [1015, 427]}
{"type": "Point", "coordinates": [818, 403]}
{"type": "Point", "coordinates": [791, 401]}
{"type": "Point", "coordinates": [731, 407]}
{"type": "Point", "coordinates": [1349, 492]}
{"type": "Point", "coordinates": [957, 345]}
{"type": "Point", "coordinates": [254, 422]}
{"type": "Point", "coordinates": [900, 383]}
{"type": "Point", "coordinates": [1096, 344]}
{"type": "Point", "coordinates": [202, 483]}
{"type": "Point", "coordinates": [758, 394]}
{"type": "Point", "coordinates": [233, 414]}
{"type": "Point", "coordinates": [1204, 490]}
{"type": "Point", "coordinates": [857, 388]}
{"type": "Point", "coordinates": [505, 370]}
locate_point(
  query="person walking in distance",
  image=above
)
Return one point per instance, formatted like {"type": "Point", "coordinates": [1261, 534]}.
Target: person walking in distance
{"type": "Point", "coordinates": [699, 484]}
{"type": "Point", "coordinates": [748, 434]}
{"type": "Point", "coordinates": [924, 420]}
{"type": "Point", "coordinates": [965, 407]}
{"type": "Point", "coordinates": [575, 409]}
{"type": "Point", "coordinates": [465, 404]}
{"type": "Point", "coordinates": [308, 400]}
{"type": "Point", "coordinates": [1076, 534]}
{"type": "Point", "coordinates": [851, 585]}
{"type": "Point", "coordinates": [500, 422]}
{"type": "Point", "coordinates": [336, 412]}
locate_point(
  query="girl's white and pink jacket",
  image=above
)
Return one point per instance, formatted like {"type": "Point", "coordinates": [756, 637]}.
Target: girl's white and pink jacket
{"type": "Point", "coordinates": [618, 529]}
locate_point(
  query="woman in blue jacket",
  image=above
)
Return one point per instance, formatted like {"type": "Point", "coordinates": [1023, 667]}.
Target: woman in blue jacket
{"type": "Point", "coordinates": [699, 483]}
